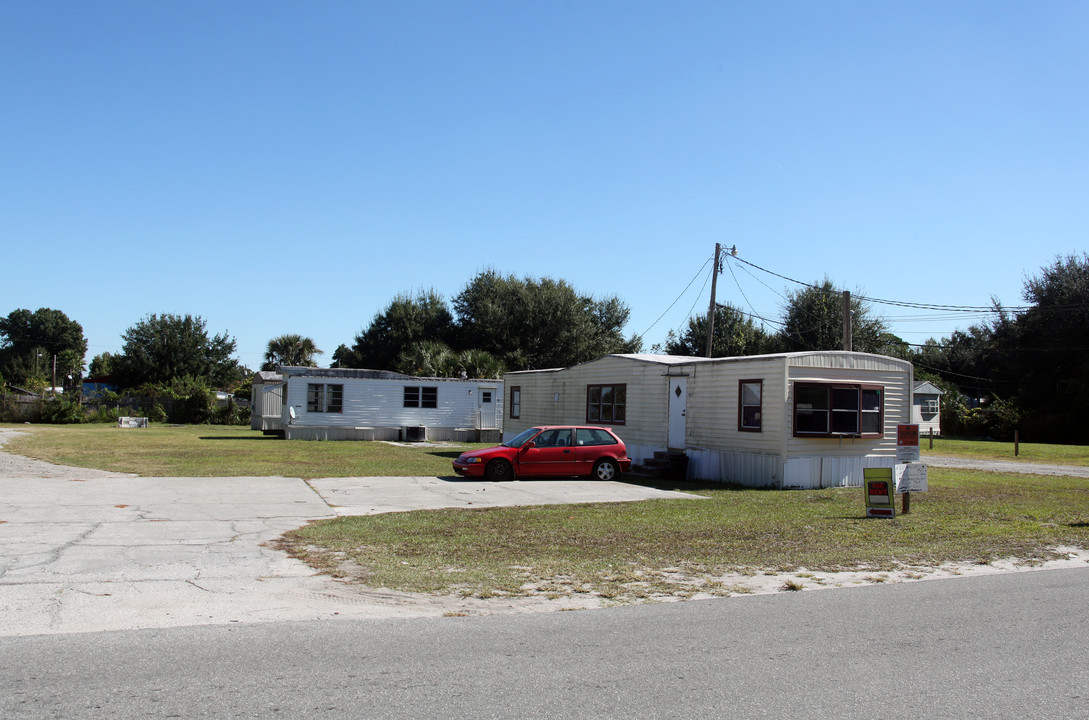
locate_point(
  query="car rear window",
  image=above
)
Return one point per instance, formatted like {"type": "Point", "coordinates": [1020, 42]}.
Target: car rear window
{"type": "Point", "coordinates": [593, 436]}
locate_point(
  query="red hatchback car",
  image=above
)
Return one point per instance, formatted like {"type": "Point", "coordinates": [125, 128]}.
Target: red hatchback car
{"type": "Point", "coordinates": [550, 450]}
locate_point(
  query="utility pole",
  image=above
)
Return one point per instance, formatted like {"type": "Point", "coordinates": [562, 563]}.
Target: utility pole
{"type": "Point", "coordinates": [848, 340]}
{"type": "Point", "coordinates": [711, 311]}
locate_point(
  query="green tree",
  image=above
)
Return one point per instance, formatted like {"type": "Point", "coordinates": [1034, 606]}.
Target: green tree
{"type": "Point", "coordinates": [975, 360]}
{"type": "Point", "coordinates": [290, 350]}
{"type": "Point", "coordinates": [735, 334]}
{"type": "Point", "coordinates": [102, 364]}
{"type": "Point", "coordinates": [813, 320]}
{"type": "Point", "coordinates": [435, 359]}
{"type": "Point", "coordinates": [29, 341]}
{"type": "Point", "coordinates": [480, 364]}
{"type": "Point", "coordinates": [427, 358]}
{"type": "Point", "coordinates": [406, 320]}
{"type": "Point", "coordinates": [530, 324]}
{"type": "Point", "coordinates": [1047, 354]}
{"type": "Point", "coordinates": [162, 348]}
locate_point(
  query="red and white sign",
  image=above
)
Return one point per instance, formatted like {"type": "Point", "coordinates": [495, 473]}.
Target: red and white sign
{"type": "Point", "coordinates": [907, 443]}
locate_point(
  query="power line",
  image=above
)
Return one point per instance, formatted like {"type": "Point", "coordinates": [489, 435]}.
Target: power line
{"type": "Point", "coordinates": [897, 303]}
{"type": "Point", "coordinates": [698, 272]}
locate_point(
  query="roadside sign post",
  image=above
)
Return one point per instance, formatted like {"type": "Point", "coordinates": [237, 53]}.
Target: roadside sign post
{"type": "Point", "coordinates": [907, 451]}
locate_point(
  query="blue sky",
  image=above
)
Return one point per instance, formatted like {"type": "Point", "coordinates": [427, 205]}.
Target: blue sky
{"type": "Point", "coordinates": [281, 167]}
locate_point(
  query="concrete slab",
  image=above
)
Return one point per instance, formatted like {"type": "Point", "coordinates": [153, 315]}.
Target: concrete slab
{"type": "Point", "coordinates": [373, 495]}
{"type": "Point", "coordinates": [85, 551]}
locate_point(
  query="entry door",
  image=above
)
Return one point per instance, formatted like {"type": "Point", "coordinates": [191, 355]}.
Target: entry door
{"type": "Point", "coordinates": [552, 454]}
{"type": "Point", "coordinates": [678, 410]}
{"type": "Point", "coordinates": [486, 404]}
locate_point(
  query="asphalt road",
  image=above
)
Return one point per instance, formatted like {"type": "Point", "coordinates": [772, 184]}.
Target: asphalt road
{"type": "Point", "coordinates": [1000, 646]}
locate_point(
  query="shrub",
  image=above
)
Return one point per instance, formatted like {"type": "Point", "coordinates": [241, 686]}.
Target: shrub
{"type": "Point", "coordinates": [61, 410]}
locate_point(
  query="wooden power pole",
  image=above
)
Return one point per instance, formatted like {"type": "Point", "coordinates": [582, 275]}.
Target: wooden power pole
{"type": "Point", "coordinates": [848, 339]}
{"type": "Point", "coordinates": [711, 310]}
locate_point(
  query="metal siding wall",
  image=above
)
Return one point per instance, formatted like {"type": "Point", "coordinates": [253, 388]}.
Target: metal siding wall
{"type": "Point", "coordinates": [646, 410]}
{"type": "Point", "coordinates": [737, 468]}
{"type": "Point", "coordinates": [379, 403]}
{"type": "Point", "coordinates": [827, 472]}
{"type": "Point", "coordinates": [713, 407]}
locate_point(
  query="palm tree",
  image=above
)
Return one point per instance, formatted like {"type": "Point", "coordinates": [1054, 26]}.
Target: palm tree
{"type": "Point", "coordinates": [291, 350]}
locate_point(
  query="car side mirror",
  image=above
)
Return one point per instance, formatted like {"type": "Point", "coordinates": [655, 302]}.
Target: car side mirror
{"type": "Point", "coordinates": [529, 445]}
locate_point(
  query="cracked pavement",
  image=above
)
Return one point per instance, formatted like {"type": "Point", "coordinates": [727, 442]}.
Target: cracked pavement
{"type": "Point", "coordinates": [84, 550]}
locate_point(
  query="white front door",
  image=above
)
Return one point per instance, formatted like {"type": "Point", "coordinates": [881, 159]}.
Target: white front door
{"type": "Point", "coordinates": [486, 404]}
{"type": "Point", "coordinates": [678, 409]}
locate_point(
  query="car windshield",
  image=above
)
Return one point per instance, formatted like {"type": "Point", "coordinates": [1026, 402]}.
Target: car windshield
{"type": "Point", "coordinates": [520, 439]}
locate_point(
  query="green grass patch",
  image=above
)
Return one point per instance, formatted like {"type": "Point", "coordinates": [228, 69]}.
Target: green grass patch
{"type": "Point", "coordinates": [635, 550]}
{"type": "Point", "coordinates": [223, 451]}
{"type": "Point", "coordinates": [994, 450]}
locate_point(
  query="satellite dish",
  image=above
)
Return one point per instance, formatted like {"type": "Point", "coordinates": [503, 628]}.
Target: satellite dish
{"type": "Point", "coordinates": [291, 412]}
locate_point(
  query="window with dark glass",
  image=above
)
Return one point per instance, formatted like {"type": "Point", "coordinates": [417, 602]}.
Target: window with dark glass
{"type": "Point", "coordinates": [833, 409]}
{"type": "Point", "coordinates": [334, 398]}
{"type": "Point", "coordinates": [315, 397]}
{"type": "Point", "coordinates": [324, 398]}
{"type": "Point", "coordinates": [606, 404]}
{"type": "Point", "coordinates": [749, 416]}
{"type": "Point", "coordinates": [421, 397]}
{"type": "Point", "coordinates": [516, 402]}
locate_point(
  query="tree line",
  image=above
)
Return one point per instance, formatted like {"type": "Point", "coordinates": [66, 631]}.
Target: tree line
{"type": "Point", "coordinates": [1026, 369]}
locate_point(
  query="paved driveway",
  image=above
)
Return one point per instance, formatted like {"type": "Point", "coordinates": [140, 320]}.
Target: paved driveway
{"type": "Point", "coordinates": [83, 550]}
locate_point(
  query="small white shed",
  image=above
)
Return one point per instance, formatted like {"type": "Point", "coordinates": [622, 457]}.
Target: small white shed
{"type": "Point", "coordinates": [789, 420]}
{"type": "Point", "coordinates": [926, 408]}
{"type": "Point", "coordinates": [267, 402]}
{"type": "Point", "coordinates": [350, 404]}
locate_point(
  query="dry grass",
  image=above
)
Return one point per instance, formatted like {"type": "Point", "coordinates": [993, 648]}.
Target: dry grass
{"type": "Point", "coordinates": [632, 551]}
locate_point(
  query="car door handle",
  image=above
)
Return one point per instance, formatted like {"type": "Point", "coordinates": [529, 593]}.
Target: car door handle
{"type": "Point", "coordinates": [566, 451]}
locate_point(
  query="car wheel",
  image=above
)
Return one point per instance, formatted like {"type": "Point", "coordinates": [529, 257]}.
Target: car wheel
{"type": "Point", "coordinates": [605, 470]}
{"type": "Point", "coordinates": [499, 470]}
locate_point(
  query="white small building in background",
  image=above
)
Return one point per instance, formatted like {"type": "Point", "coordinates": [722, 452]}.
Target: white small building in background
{"type": "Point", "coordinates": [351, 404]}
{"type": "Point", "coordinates": [789, 420]}
{"type": "Point", "coordinates": [267, 402]}
{"type": "Point", "coordinates": [926, 408]}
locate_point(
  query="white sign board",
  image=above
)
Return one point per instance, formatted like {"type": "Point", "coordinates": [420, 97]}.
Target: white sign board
{"type": "Point", "coordinates": [910, 477]}
{"type": "Point", "coordinates": [907, 453]}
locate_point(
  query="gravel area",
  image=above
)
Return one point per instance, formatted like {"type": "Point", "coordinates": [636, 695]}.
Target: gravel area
{"type": "Point", "coordinates": [1006, 466]}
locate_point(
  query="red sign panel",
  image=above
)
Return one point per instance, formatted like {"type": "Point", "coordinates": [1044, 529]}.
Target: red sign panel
{"type": "Point", "coordinates": [907, 435]}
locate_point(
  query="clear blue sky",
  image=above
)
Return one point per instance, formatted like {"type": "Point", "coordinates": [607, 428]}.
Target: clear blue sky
{"type": "Point", "coordinates": [282, 167]}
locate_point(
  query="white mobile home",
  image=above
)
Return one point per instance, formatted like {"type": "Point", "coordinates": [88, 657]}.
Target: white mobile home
{"type": "Point", "coordinates": [926, 408]}
{"type": "Point", "coordinates": [790, 420]}
{"type": "Point", "coordinates": [349, 404]}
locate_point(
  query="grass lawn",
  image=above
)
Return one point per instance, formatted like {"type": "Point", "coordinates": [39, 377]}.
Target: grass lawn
{"type": "Point", "coordinates": [222, 451]}
{"type": "Point", "coordinates": [624, 551]}
{"type": "Point", "coordinates": [993, 450]}
{"type": "Point", "coordinates": [634, 550]}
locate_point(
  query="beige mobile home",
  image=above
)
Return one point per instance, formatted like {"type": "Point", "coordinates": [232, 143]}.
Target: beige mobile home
{"type": "Point", "coordinates": [790, 420]}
